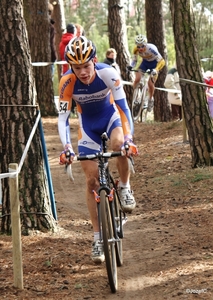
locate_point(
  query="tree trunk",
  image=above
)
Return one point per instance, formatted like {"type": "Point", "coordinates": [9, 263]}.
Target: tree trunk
{"type": "Point", "coordinates": [38, 27]}
{"type": "Point", "coordinates": [154, 19]}
{"type": "Point", "coordinates": [118, 40]}
{"type": "Point", "coordinates": [60, 24]}
{"type": "Point", "coordinates": [194, 103]}
{"type": "Point", "coordinates": [17, 118]}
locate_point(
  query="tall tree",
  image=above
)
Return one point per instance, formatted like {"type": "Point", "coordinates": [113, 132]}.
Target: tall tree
{"type": "Point", "coordinates": [38, 26]}
{"type": "Point", "coordinates": [155, 35]}
{"type": "Point", "coordinates": [17, 118]}
{"type": "Point", "coordinates": [194, 103]}
{"type": "Point", "coordinates": [60, 24]}
{"type": "Point", "coordinates": [118, 40]}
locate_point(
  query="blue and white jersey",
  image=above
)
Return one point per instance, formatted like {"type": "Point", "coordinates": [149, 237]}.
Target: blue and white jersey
{"type": "Point", "coordinates": [101, 105]}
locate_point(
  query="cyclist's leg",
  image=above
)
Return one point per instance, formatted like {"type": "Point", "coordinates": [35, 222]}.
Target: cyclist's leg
{"type": "Point", "coordinates": [89, 142]}
{"type": "Point", "coordinates": [137, 78]}
{"type": "Point", "coordinates": [138, 75]}
{"type": "Point", "coordinates": [151, 85]}
{"type": "Point", "coordinates": [90, 169]}
{"type": "Point", "coordinates": [127, 199]}
{"type": "Point", "coordinates": [152, 79]}
{"type": "Point", "coordinates": [117, 140]}
{"type": "Point", "coordinates": [142, 68]}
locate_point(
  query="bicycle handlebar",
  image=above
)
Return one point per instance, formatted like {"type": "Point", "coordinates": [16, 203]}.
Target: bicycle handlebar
{"type": "Point", "coordinates": [148, 71]}
{"type": "Point", "coordinates": [100, 155]}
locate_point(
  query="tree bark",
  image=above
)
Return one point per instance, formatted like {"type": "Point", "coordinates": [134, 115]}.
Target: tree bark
{"type": "Point", "coordinates": [155, 35]}
{"type": "Point", "coordinates": [194, 103]}
{"type": "Point", "coordinates": [118, 41]}
{"type": "Point", "coordinates": [60, 24]}
{"type": "Point", "coordinates": [38, 27]}
{"type": "Point", "coordinates": [17, 117]}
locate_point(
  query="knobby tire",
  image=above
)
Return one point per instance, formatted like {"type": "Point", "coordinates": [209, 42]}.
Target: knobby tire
{"type": "Point", "coordinates": [145, 94]}
{"type": "Point", "coordinates": [108, 237]}
{"type": "Point", "coordinates": [118, 224]}
{"type": "Point", "coordinates": [117, 213]}
{"type": "Point", "coordinates": [137, 102]}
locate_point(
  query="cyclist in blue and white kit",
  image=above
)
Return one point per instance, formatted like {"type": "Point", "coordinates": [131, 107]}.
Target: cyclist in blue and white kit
{"type": "Point", "coordinates": [151, 59]}
{"type": "Point", "coordinates": [101, 107]}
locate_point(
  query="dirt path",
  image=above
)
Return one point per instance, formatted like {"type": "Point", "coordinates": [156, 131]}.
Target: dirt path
{"type": "Point", "coordinates": [168, 245]}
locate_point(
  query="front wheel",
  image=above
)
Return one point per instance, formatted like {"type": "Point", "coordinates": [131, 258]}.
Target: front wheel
{"type": "Point", "coordinates": [119, 230]}
{"type": "Point", "coordinates": [145, 100]}
{"type": "Point", "coordinates": [109, 241]}
{"type": "Point", "coordinates": [137, 105]}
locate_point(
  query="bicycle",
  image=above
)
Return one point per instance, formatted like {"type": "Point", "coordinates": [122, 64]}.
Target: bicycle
{"type": "Point", "coordinates": [140, 97]}
{"type": "Point", "coordinates": [111, 217]}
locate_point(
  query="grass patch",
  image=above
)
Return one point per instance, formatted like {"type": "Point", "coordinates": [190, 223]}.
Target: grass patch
{"type": "Point", "coordinates": [199, 177]}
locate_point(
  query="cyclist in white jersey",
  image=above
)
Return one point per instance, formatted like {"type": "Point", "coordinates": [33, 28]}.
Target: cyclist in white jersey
{"type": "Point", "coordinates": [102, 107]}
{"type": "Point", "coordinates": [151, 59]}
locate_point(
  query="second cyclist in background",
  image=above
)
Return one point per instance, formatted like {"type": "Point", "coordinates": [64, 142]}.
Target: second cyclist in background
{"type": "Point", "coordinates": [151, 59]}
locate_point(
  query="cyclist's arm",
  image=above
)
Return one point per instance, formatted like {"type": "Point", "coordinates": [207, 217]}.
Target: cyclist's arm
{"type": "Point", "coordinates": [66, 87]}
{"type": "Point", "coordinates": [123, 108]}
{"type": "Point", "coordinates": [134, 57]}
{"type": "Point", "coordinates": [126, 119]}
{"type": "Point", "coordinates": [113, 81]}
{"type": "Point", "coordinates": [160, 64]}
{"type": "Point", "coordinates": [64, 128]}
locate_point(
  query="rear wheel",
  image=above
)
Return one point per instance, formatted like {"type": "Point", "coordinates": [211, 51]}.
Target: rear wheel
{"type": "Point", "coordinates": [109, 241]}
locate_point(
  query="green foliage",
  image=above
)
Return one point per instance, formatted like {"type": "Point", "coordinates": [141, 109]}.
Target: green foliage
{"type": "Point", "coordinates": [92, 15]}
{"type": "Point", "coordinates": [204, 28]}
{"type": "Point", "coordinates": [101, 42]}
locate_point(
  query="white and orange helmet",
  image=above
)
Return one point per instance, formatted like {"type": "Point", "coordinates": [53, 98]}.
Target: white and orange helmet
{"type": "Point", "coordinates": [79, 50]}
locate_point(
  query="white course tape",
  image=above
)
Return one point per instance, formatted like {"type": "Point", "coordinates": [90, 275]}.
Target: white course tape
{"type": "Point", "coordinates": [14, 173]}
{"type": "Point", "coordinates": [44, 64]}
{"type": "Point", "coordinates": [157, 88]}
{"type": "Point", "coordinates": [195, 82]}
{"type": "Point", "coordinates": [174, 91]}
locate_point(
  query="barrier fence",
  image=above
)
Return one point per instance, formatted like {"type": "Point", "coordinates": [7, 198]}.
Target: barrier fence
{"type": "Point", "coordinates": [13, 175]}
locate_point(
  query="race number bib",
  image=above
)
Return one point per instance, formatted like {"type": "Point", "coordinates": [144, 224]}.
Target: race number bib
{"type": "Point", "coordinates": [63, 107]}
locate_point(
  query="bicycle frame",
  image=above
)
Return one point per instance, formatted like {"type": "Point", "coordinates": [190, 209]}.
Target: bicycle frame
{"type": "Point", "coordinates": [104, 179]}
{"type": "Point", "coordinates": [110, 215]}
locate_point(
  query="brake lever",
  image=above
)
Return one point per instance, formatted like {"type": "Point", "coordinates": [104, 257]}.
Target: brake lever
{"type": "Point", "coordinates": [68, 168]}
{"type": "Point", "coordinates": [67, 154]}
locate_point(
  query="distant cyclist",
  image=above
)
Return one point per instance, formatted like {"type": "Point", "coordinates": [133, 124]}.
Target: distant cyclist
{"type": "Point", "coordinates": [102, 107]}
{"type": "Point", "coordinates": [151, 59]}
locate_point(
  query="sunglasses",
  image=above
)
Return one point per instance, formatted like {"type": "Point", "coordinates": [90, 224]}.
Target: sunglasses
{"type": "Point", "coordinates": [140, 46]}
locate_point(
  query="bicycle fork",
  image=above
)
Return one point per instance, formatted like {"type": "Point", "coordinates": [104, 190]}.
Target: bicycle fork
{"type": "Point", "coordinates": [118, 230]}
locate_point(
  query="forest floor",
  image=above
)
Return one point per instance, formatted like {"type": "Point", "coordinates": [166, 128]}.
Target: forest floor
{"type": "Point", "coordinates": [168, 243]}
